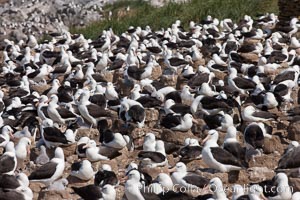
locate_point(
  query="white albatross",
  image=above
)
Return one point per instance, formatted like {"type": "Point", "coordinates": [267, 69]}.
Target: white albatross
{"type": "Point", "coordinates": [216, 157]}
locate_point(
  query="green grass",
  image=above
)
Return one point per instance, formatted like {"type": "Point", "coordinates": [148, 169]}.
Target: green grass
{"type": "Point", "coordinates": [142, 14]}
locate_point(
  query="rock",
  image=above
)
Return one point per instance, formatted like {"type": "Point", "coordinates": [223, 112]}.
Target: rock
{"type": "Point", "coordinates": [181, 81]}
{"type": "Point", "coordinates": [108, 76]}
{"type": "Point", "coordinates": [91, 133]}
{"type": "Point", "coordinates": [60, 77]}
{"type": "Point", "coordinates": [251, 41]}
{"type": "Point", "coordinates": [18, 35]}
{"type": "Point", "coordinates": [138, 133]}
{"type": "Point", "coordinates": [117, 76]}
{"type": "Point", "coordinates": [120, 192]}
{"type": "Point", "coordinates": [197, 129]}
{"type": "Point", "coordinates": [54, 195]}
{"type": "Point", "coordinates": [294, 184]}
{"type": "Point", "coordinates": [70, 159]}
{"type": "Point", "coordinates": [69, 150]}
{"type": "Point", "coordinates": [176, 137]}
{"type": "Point", "coordinates": [170, 80]}
{"type": "Point", "coordinates": [243, 177]}
{"type": "Point", "coordinates": [272, 144]}
{"type": "Point", "coordinates": [220, 75]}
{"type": "Point", "coordinates": [270, 161]}
{"type": "Point", "coordinates": [198, 62]}
{"type": "Point", "coordinates": [152, 116]}
{"type": "Point", "coordinates": [257, 174]}
{"type": "Point", "coordinates": [125, 88]}
{"type": "Point", "coordinates": [250, 56]}
{"type": "Point", "coordinates": [209, 175]}
{"type": "Point", "coordinates": [282, 125]}
{"type": "Point", "coordinates": [40, 88]}
{"type": "Point", "coordinates": [153, 172]}
{"type": "Point", "coordinates": [36, 188]}
{"type": "Point", "coordinates": [156, 72]}
{"type": "Point", "coordinates": [294, 131]}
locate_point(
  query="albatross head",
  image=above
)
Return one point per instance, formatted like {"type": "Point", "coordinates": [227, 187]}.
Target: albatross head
{"type": "Point", "coordinates": [53, 98]}
{"type": "Point", "coordinates": [179, 167]}
{"type": "Point", "coordinates": [193, 142]}
{"type": "Point", "coordinates": [84, 96]}
{"type": "Point", "coordinates": [213, 135]}
{"type": "Point", "coordinates": [281, 178]}
{"type": "Point", "coordinates": [231, 132]}
{"type": "Point", "coordinates": [189, 117]}
{"type": "Point", "coordinates": [10, 147]}
{"type": "Point", "coordinates": [165, 180]}
{"type": "Point", "coordinates": [134, 175]}
{"type": "Point", "coordinates": [160, 147]}
{"type": "Point", "coordinates": [91, 144]}
{"type": "Point", "coordinates": [23, 179]}
{"type": "Point", "coordinates": [237, 190]}
{"type": "Point", "coordinates": [216, 184]}
{"type": "Point", "coordinates": [47, 123]}
{"type": "Point", "coordinates": [106, 167]}
{"type": "Point", "coordinates": [59, 153]}
{"type": "Point", "coordinates": [256, 191]}
{"type": "Point", "coordinates": [249, 110]}
{"type": "Point", "coordinates": [7, 130]}
{"type": "Point", "coordinates": [150, 137]}
{"type": "Point", "coordinates": [109, 192]}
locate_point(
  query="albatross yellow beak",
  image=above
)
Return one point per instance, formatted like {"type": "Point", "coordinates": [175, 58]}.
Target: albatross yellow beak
{"type": "Point", "coordinates": [172, 170]}
{"type": "Point", "coordinates": [123, 180]}
{"type": "Point", "coordinates": [28, 149]}
{"type": "Point", "coordinates": [262, 196]}
{"type": "Point", "coordinates": [86, 146]}
{"type": "Point", "coordinates": [205, 139]}
{"type": "Point", "coordinates": [195, 121]}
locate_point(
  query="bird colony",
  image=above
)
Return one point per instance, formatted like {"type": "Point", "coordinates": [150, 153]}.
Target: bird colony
{"type": "Point", "coordinates": [207, 112]}
{"type": "Point", "coordinates": [19, 18]}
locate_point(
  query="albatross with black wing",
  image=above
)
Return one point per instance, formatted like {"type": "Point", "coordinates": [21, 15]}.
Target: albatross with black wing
{"type": "Point", "coordinates": [93, 192]}
{"type": "Point", "coordinates": [89, 111]}
{"type": "Point", "coordinates": [210, 105]}
{"type": "Point", "coordinates": [53, 136]}
{"type": "Point", "coordinates": [218, 158]}
{"type": "Point", "coordinates": [50, 171]}
{"type": "Point", "coordinates": [177, 122]}
{"type": "Point", "coordinates": [8, 161]}
{"type": "Point", "coordinates": [182, 178]}
{"type": "Point", "coordinates": [250, 114]}
{"type": "Point", "coordinates": [290, 159]}
{"type": "Point", "coordinates": [191, 151]}
{"type": "Point", "coordinates": [155, 158]}
{"type": "Point", "coordinates": [239, 84]}
{"type": "Point", "coordinates": [59, 113]}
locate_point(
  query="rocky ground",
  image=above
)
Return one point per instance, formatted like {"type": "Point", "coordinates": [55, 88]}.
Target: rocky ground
{"type": "Point", "coordinates": [20, 18]}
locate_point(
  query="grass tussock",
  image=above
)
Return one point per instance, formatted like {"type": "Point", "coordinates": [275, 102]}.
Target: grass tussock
{"type": "Point", "coordinates": [141, 14]}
